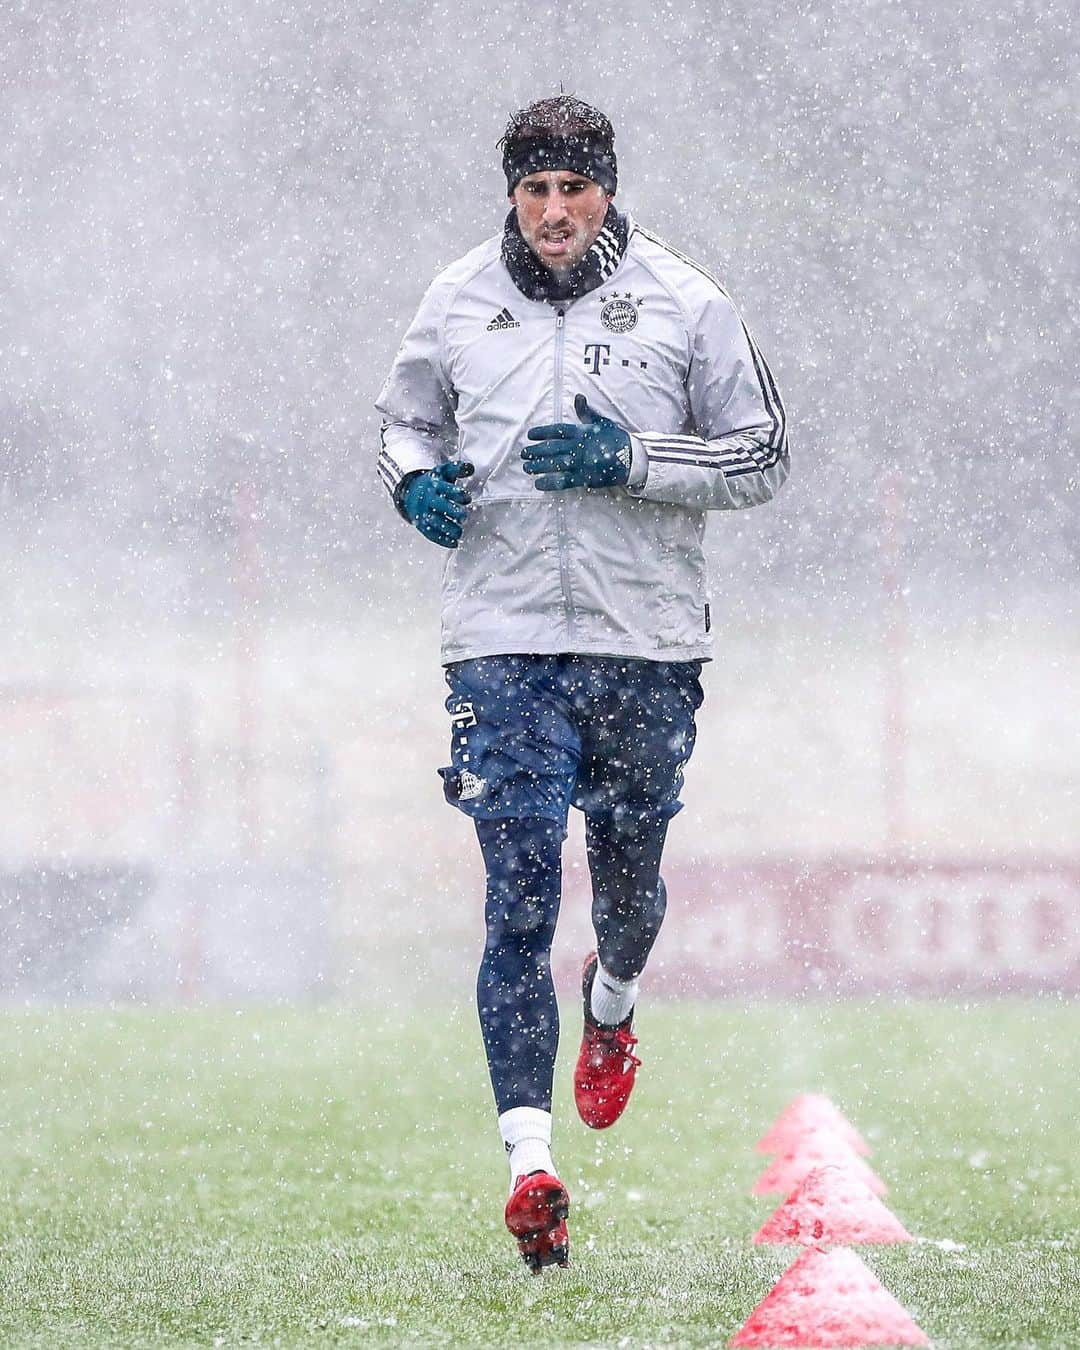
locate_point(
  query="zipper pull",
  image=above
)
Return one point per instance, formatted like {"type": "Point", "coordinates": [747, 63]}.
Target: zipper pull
{"type": "Point", "coordinates": [560, 314]}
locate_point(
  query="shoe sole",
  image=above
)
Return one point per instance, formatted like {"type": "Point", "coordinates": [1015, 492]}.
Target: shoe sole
{"type": "Point", "coordinates": [550, 1207]}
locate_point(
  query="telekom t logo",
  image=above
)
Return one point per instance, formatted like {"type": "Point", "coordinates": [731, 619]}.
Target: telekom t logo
{"type": "Point", "coordinates": [597, 354]}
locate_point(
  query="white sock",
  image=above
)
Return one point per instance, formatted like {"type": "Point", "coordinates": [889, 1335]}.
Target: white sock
{"type": "Point", "coordinates": [526, 1134]}
{"type": "Point", "coordinates": [611, 999]}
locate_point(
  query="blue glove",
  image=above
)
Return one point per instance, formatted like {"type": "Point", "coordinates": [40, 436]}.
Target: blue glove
{"type": "Point", "coordinates": [596, 454]}
{"type": "Point", "coordinates": [432, 501]}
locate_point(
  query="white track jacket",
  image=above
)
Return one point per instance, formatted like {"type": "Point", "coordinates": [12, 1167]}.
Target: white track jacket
{"type": "Point", "coordinates": [661, 350]}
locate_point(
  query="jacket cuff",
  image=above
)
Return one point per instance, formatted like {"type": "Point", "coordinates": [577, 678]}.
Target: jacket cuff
{"type": "Point", "coordinates": [399, 491]}
{"type": "Point", "coordinates": [399, 458]}
{"type": "Point", "coordinates": [639, 464]}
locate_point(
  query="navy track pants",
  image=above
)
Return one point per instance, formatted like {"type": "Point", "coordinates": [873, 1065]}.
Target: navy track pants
{"type": "Point", "coordinates": [519, 1015]}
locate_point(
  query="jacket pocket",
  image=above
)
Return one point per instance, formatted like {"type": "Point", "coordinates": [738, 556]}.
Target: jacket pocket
{"type": "Point", "coordinates": [500, 589]}
{"type": "Point", "coordinates": [682, 587]}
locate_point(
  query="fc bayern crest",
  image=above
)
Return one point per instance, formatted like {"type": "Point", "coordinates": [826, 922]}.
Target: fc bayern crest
{"type": "Point", "coordinates": [619, 315]}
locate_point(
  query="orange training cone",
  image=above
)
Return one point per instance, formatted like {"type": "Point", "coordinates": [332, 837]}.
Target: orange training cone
{"type": "Point", "coordinates": [832, 1205]}
{"type": "Point", "coordinates": [804, 1155]}
{"type": "Point", "coordinates": [827, 1299]}
{"type": "Point", "coordinates": [808, 1113]}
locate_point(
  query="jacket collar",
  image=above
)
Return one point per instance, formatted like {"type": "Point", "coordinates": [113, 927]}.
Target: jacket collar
{"type": "Point", "coordinates": [538, 282]}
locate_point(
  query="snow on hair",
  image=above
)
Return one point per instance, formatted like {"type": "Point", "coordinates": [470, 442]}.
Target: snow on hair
{"type": "Point", "coordinates": [560, 116]}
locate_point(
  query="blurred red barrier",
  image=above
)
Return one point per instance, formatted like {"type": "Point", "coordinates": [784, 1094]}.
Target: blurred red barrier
{"type": "Point", "coordinates": [859, 927]}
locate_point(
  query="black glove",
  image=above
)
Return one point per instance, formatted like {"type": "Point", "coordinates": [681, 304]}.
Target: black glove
{"type": "Point", "coordinates": [432, 501]}
{"type": "Point", "coordinates": [596, 454]}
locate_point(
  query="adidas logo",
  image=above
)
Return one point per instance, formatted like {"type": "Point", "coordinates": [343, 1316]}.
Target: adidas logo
{"type": "Point", "coordinates": [504, 319]}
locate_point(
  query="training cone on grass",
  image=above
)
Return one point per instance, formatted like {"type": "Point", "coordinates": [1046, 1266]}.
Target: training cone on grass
{"type": "Point", "coordinates": [822, 1148]}
{"type": "Point", "coordinates": [832, 1205]}
{"type": "Point", "coordinates": [827, 1299]}
{"type": "Point", "coordinates": [807, 1114]}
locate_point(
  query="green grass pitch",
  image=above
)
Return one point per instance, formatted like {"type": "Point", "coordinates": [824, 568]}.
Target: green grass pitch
{"type": "Point", "coordinates": [330, 1177]}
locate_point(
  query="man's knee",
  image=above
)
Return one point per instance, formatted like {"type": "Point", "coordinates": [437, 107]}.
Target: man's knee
{"type": "Point", "coordinates": [518, 917]}
{"type": "Point", "coordinates": [629, 840]}
{"type": "Point", "coordinates": [523, 861]}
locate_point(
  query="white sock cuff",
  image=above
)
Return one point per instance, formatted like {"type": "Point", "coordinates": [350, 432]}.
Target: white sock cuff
{"type": "Point", "coordinates": [612, 999]}
{"type": "Point", "coordinates": [616, 985]}
{"type": "Point", "coordinates": [525, 1122]}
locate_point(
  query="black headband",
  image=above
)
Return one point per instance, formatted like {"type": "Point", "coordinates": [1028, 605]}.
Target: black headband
{"type": "Point", "coordinates": [585, 155]}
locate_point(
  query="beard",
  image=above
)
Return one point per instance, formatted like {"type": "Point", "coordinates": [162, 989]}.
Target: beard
{"type": "Point", "coordinates": [575, 246]}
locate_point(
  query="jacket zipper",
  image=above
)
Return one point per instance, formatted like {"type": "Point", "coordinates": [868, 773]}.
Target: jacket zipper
{"type": "Point", "coordinates": [560, 318]}
{"type": "Point", "coordinates": [560, 505]}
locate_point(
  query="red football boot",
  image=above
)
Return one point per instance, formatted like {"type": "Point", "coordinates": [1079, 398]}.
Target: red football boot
{"type": "Point", "coordinates": [536, 1215]}
{"type": "Point", "coordinates": [606, 1063]}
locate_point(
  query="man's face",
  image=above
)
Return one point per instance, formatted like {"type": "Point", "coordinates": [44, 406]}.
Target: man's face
{"type": "Point", "coordinates": [559, 213]}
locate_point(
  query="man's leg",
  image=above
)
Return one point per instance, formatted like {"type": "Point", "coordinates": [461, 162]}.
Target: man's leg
{"type": "Point", "coordinates": [629, 902]}
{"type": "Point", "coordinates": [639, 734]}
{"type": "Point", "coordinates": [519, 1019]}
{"type": "Point", "coordinates": [514, 754]}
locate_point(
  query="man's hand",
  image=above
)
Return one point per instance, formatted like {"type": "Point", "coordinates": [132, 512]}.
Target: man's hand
{"type": "Point", "coordinates": [433, 502]}
{"type": "Point", "coordinates": [596, 454]}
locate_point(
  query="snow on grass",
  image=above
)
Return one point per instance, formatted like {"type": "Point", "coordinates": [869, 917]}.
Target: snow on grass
{"type": "Point", "coordinates": [311, 1177]}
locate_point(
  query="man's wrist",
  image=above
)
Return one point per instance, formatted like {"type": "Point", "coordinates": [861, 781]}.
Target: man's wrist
{"type": "Point", "coordinates": [639, 464]}
{"type": "Point", "coordinates": [403, 487]}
